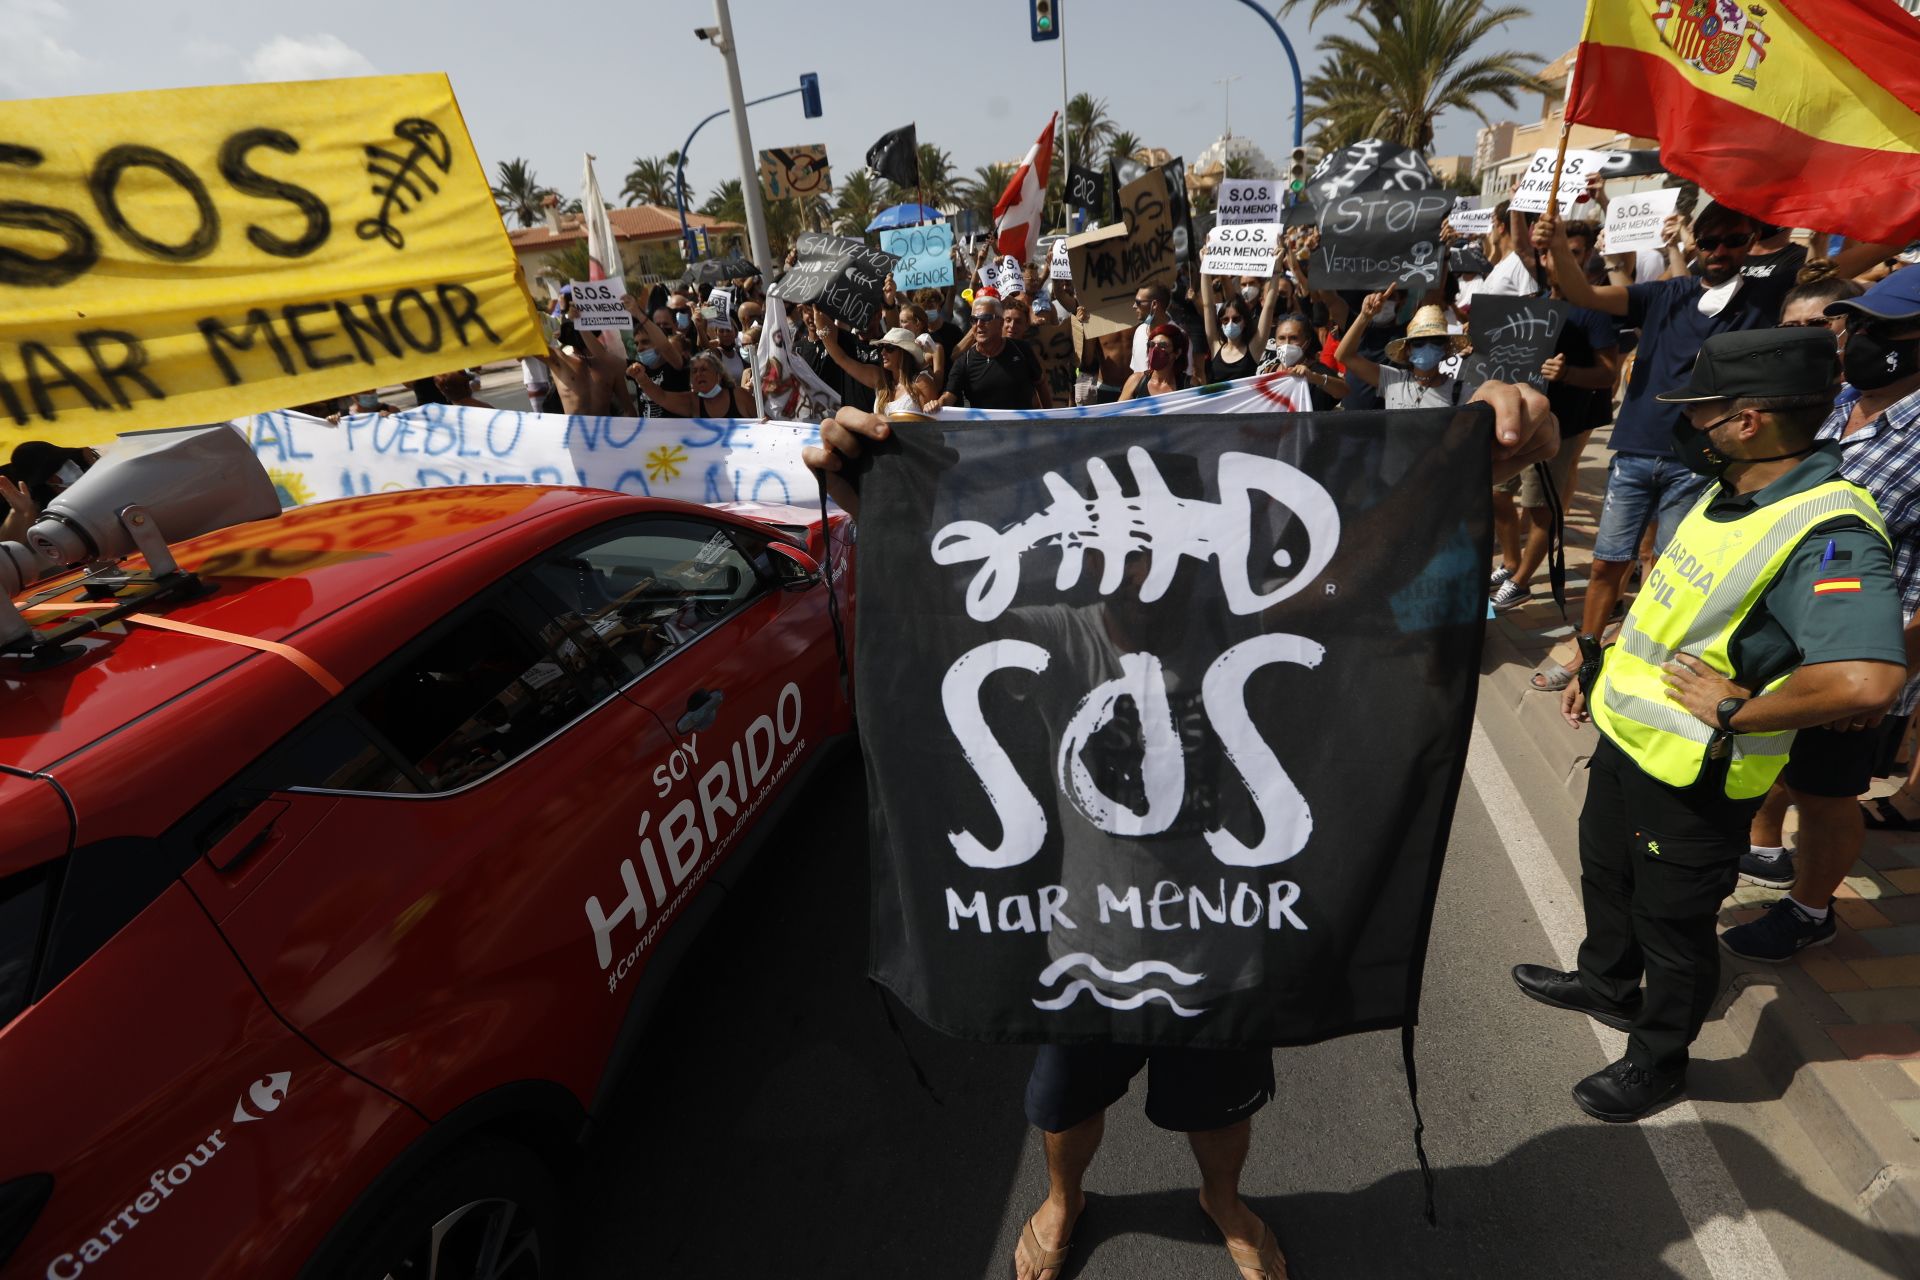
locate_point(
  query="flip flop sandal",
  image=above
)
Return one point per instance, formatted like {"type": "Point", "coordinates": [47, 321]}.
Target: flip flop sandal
{"type": "Point", "coordinates": [1037, 1259]}
{"type": "Point", "coordinates": [1266, 1259]}
{"type": "Point", "coordinates": [1880, 815]}
{"type": "Point", "coordinates": [1550, 677]}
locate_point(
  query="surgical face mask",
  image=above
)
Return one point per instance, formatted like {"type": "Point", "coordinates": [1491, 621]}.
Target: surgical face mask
{"type": "Point", "coordinates": [1159, 358]}
{"type": "Point", "coordinates": [1872, 360]}
{"type": "Point", "coordinates": [1425, 356]}
{"type": "Point", "coordinates": [935, 315]}
{"type": "Point", "coordinates": [1233, 329]}
{"type": "Point", "coordinates": [1249, 293]}
{"type": "Point", "coordinates": [650, 358]}
{"type": "Point", "coordinates": [365, 399]}
{"type": "Point", "coordinates": [712, 391]}
{"type": "Point", "coordinates": [1290, 354]}
{"type": "Point", "coordinates": [683, 320]}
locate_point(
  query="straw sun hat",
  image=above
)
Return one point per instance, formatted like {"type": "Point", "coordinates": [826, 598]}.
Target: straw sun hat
{"type": "Point", "coordinates": [1428, 322]}
{"type": "Point", "coordinates": [903, 339]}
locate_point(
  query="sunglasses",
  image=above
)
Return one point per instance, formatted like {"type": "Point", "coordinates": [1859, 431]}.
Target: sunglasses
{"type": "Point", "coordinates": [1161, 346]}
{"type": "Point", "coordinates": [1818, 322]}
{"type": "Point", "coordinates": [1738, 240]}
{"type": "Point", "coordinates": [1142, 302]}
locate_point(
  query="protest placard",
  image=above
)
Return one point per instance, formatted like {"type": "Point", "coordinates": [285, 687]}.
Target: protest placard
{"type": "Point", "coordinates": [1242, 249]}
{"type": "Point", "coordinates": [1468, 260]}
{"type": "Point", "coordinates": [1248, 200]}
{"type": "Point", "coordinates": [1012, 279]}
{"type": "Point", "coordinates": [1087, 190]}
{"type": "Point", "coordinates": [719, 310]}
{"type": "Point", "coordinates": [1372, 164]}
{"type": "Point", "coordinates": [1373, 239]}
{"type": "Point", "coordinates": [1512, 337]}
{"type": "Point", "coordinates": [787, 172]}
{"type": "Point", "coordinates": [1059, 265]}
{"type": "Point", "coordinates": [1530, 195]}
{"type": "Point", "coordinates": [190, 255]}
{"type": "Point", "coordinates": [1635, 222]}
{"type": "Point", "coordinates": [840, 275]}
{"type": "Point", "coordinates": [596, 305]}
{"type": "Point", "coordinates": [1468, 219]}
{"type": "Point", "coordinates": [925, 253]}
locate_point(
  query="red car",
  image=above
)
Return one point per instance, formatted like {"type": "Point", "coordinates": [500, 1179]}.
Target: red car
{"type": "Point", "coordinates": [333, 900]}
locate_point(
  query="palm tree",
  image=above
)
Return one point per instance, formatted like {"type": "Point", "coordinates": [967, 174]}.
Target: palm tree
{"type": "Point", "coordinates": [726, 203]}
{"type": "Point", "coordinates": [1380, 10]}
{"type": "Point", "coordinates": [1237, 167]}
{"type": "Point", "coordinates": [856, 203]}
{"type": "Point", "coordinates": [519, 194]}
{"type": "Point", "coordinates": [1423, 62]}
{"type": "Point", "coordinates": [1122, 145]}
{"type": "Point", "coordinates": [650, 181]}
{"type": "Point", "coordinates": [1088, 126]}
{"type": "Point", "coordinates": [1342, 103]}
{"type": "Point", "coordinates": [939, 185]}
{"type": "Point", "coordinates": [983, 190]}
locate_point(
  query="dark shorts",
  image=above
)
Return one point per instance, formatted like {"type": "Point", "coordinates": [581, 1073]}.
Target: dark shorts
{"type": "Point", "coordinates": [1188, 1090]}
{"type": "Point", "coordinates": [1825, 763]}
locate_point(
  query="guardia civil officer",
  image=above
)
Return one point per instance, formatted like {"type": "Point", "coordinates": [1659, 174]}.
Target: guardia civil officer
{"type": "Point", "coordinates": [1772, 609]}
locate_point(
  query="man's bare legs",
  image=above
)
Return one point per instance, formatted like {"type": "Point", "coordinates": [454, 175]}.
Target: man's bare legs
{"type": "Point", "coordinates": [1221, 1154]}
{"type": "Point", "coordinates": [1069, 1152]}
{"type": "Point", "coordinates": [1831, 835]}
{"type": "Point", "coordinates": [1769, 825]}
{"type": "Point", "coordinates": [1604, 584]}
{"type": "Point", "coordinates": [1506, 529]}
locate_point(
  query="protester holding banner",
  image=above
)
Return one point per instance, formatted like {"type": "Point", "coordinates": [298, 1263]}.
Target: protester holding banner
{"type": "Point", "coordinates": [912, 317]}
{"type": "Point", "coordinates": [1294, 351]}
{"type": "Point", "coordinates": [892, 380]}
{"type": "Point", "coordinates": [1167, 364]}
{"type": "Point", "coordinates": [1107, 359]}
{"type": "Point", "coordinates": [1233, 336]}
{"type": "Point", "coordinates": [712, 392]}
{"type": "Point", "coordinates": [1413, 379]}
{"type": "Point", "coordinates": [1753, 580]}
{"type": "Point", "coordinates": [1647, 482]}
{"type": "Point", "coordinates": [1151, 304]}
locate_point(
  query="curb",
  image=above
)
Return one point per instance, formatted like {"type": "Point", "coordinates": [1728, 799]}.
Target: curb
{"type": "Point", "coordinates": [1867, 1146]}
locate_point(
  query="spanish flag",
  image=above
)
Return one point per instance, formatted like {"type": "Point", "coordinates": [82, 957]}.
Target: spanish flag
{"type": "Point", "coordinates": [1804, 113]}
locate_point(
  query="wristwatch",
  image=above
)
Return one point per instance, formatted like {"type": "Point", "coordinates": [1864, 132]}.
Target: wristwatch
{"type": "Point", "coordinates": [1726, 710]}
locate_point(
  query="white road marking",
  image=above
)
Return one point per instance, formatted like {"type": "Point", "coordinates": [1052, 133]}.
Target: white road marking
{"type": "Point", "coordinates": [1724, 1230]}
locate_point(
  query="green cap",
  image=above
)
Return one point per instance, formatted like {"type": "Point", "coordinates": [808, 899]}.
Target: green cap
{"type": "Point", "coordinates": [1761, 363]}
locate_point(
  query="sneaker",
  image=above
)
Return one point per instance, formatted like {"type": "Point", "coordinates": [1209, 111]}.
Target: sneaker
{"type": "Point", "coordinates": [1499, 578]}
{"type": "Point", "coordinates": [1768, 870]}
{"type": "Point", "coordinates": [1510, 595]}
{"type": "Point", "coordinates": [1780, 934]}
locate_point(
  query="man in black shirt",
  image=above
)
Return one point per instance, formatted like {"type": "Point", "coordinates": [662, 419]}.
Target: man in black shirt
{"type": "Point", "coordinates": [813, 352]}
{"type": "Point", "coordinates": [1773, 268]}
{"type": "Point", "coordinates": [995, 373]}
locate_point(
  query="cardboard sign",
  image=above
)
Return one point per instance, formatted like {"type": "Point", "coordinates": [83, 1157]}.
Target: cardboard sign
{"type": "Point", "coordinates": [925, 253]}
{"type": "Point", "coordinates": [1373, 239]}
{"type": "Point", "coordinates": [1242, 249]}
{"type": "Point", "coordinates": [1468, 219]}
{"type": "Point", "coordinates": [1248, 200]}
{"type": "Point", "coordinates": [186, 256]}
{"type": "Point", "coordinates": [1634, 222]}
{"type": "Point", "coordinates": [1530, 196]}
{"type": "Point", "coordinates": [1110, 264]}
{"type": "Point", "coordinates": [790, 172]}
{"type": "Point", "coordinates": [840, 275]}
{"type": "Point", "coordinates": [1053, 345]}
{"type": "Point", "coordinates": [1512, 337]}
{"type": "Point", "coordinates": [1059, 265]}
{"type": "Point", "coordinates": [596, 305]}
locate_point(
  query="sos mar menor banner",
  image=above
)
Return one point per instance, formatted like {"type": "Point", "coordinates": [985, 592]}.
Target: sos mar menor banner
{"type": "Point", "coordinates": [1164, 741]}
{"type": "Point", "coordinates": [185, 256]}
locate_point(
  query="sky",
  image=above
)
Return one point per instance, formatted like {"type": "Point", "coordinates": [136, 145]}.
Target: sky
{"type": "Point", "coordinates": [550, 83]}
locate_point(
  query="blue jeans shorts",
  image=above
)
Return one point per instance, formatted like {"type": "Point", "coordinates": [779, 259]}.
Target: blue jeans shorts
{"type": "Point", "coordinates": [1640, 485]}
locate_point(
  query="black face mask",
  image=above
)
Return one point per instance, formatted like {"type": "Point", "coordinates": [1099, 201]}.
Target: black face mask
{"type": "Point", "coordinates": [1699, 456]}
{"type": "Point", "coordinates": [1873, 361]}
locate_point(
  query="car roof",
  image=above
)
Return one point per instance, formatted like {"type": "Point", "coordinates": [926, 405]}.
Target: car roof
{"type": "Point", "coordinates": [289, 580]}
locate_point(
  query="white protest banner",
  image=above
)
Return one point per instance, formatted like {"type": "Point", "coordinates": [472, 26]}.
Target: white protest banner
{"type": "Point", "coordinates": [1241, 249]}
{"type": "Point", "coordinates": [596, 305]}
{"type": "Point", "coordinates": [1012, 279]}
{"type": "Point", "coordinates": [1530, 196]}
{"type": "Point", "coordinates": [1248, 200]}
{"type": "Point", "coordinates": [990, 275]}
{"type": "Point", "coordinates": [1468, 219]}
{"type": "Point", "coordinates": [1635, 222]}
{"type": "Point", "coordinates": [926, 256]}
{"type": "Point", "coordinates": [1059, 265]}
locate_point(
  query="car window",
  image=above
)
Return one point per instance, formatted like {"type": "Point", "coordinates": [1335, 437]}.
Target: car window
{"type": "Point", "coordinates": [471, 699]}
{"type": "Point", "coordinates": [649, 587]}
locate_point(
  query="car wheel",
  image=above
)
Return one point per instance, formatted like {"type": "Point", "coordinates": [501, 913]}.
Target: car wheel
{"type": "Point", "coordinates": [487, 1212]}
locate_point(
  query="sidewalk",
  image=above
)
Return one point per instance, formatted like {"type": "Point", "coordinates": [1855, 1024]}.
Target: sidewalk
{"type": "Point", "coordinates": [1838, 1029]}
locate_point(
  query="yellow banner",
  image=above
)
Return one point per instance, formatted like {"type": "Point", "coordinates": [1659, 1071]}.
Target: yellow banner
{"type": "Point", "coordinates": [193, 255]}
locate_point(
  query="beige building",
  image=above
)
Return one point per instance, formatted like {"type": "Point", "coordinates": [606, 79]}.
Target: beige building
{"type": "Point", "coordinates": [638, 231]}
{"type": "Point", "coordinates": [1505, 149]}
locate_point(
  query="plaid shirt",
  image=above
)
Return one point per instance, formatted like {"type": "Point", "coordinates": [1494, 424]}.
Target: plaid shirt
{"type": "Point", "coordinates": [1884, 458]}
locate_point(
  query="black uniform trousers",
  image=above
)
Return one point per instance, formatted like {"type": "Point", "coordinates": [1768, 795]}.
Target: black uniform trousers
{"type": "Point", "coordinates": [1655, 864]}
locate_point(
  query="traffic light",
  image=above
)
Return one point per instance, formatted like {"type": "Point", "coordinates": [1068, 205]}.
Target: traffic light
{"type": "Point", "coordinates": [1046, 19]}
{"type": "Point", "coordinates": [1297, 170]}
{"type": "Point", "coordinates": [810, 95]}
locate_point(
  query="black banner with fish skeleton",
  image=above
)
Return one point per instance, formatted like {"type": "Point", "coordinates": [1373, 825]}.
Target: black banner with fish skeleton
{"type": "Point", "coordinates": [1164, 720]}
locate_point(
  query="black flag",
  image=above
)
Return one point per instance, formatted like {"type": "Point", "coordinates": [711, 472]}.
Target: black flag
{"type": "Point", "coordinates": [1164, 742]}
{"type": "Point", "coordinates": [1086, 190]}
{"type": "Point", "coordinates": [896, 157]}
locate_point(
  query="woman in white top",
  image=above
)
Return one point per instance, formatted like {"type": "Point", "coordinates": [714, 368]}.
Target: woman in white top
{"type": "Point", "coordinates": [1419, 384]}
{"type": "Point", "coordinates": [893, 379]}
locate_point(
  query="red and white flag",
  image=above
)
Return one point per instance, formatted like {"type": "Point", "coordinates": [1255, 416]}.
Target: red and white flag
{"type": "Point", "coordinates": [1016, 219]}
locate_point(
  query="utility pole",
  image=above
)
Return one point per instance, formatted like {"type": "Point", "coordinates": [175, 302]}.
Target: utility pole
{"type": "Point", "coordinates": [1226, 84]}
{"type": "Point", "coordinates": [722, 40]}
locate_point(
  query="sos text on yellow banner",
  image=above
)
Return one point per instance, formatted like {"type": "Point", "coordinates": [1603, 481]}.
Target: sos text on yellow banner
{"type": "Point", "coordinates": [193, 255]}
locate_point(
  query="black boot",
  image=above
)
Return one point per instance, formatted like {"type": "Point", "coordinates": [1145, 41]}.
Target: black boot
{"type": "Point", "coordinates": [1624, 1091]}
{"type": "Point", "coordinates": [1565, 991]}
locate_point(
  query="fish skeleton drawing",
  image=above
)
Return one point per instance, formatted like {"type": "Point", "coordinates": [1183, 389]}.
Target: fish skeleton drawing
{"type": "Point", "coordinates": [403, 181]}
{"type": "Point", "coordinates": [1156, 522]}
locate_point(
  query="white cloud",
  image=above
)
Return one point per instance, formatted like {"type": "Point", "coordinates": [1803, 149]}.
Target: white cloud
{"type": "Point", "coordinates": [315, 57]}
{"type": "Point", "coordinates": [32, 57]}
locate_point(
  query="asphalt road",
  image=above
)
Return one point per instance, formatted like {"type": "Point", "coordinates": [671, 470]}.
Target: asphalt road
{"type": "Point", "coordinates": [777, 1128]}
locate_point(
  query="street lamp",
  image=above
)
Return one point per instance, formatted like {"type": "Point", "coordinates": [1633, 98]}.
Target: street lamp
{"type": "Point", "coordinates": [1299, 91]}
{"type": "Point", "coordinates": [809, 92]}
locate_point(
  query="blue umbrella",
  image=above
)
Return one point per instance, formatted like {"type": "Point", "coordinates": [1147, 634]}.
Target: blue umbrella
{"type": "Point", "coordinates": [904, 215]}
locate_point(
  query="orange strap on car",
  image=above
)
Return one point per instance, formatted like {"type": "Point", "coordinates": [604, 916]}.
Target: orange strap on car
{"type": "Point", "coordinates": [320, 674]}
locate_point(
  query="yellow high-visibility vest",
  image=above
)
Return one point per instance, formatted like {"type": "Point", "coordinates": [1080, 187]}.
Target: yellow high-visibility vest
{"type": "Point", "coordinates": [1709, 577]}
